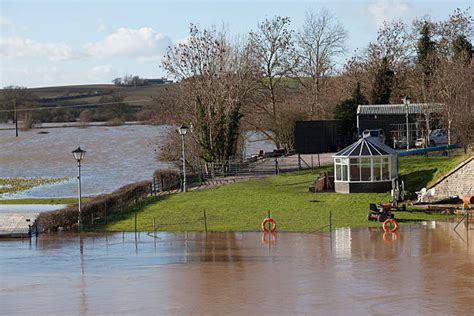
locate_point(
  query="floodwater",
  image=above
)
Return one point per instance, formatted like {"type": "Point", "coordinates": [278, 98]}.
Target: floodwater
{"type": "Point", "coordinates": [116, 156]}
{"type": "Point", "coordinates": [29, 208]}
{"type": "Point", "coordinates": [426, 269]}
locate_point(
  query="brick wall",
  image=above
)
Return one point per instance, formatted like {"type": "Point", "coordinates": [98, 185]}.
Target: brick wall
{"type": "Point", "coordinates": [460, 182]}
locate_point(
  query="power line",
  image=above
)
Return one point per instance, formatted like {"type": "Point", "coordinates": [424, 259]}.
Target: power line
{"type": "Point", "coordinates": [73, 106]}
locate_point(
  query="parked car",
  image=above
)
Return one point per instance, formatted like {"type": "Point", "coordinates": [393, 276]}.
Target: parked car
{"type": "Point", "coordinates": [437, 137]}
{"type": "Point", "coordinates": [399, 143]}
{"type": "Point", "coordinates": [440, 137]}
{"type": "Point", "coordinates": [378, 134]}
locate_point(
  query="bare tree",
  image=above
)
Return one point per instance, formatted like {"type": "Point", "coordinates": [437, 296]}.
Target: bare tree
{"type": "Point", "coordinates": [214, 81]}
{"type": "Point", "coordinates": [273, 50]}
{"type": "Point", "coordinates": [320, 41]}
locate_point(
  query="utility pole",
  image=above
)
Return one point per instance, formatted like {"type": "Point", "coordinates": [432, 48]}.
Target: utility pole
{"type": "Point", "coordinates": [16, 117]}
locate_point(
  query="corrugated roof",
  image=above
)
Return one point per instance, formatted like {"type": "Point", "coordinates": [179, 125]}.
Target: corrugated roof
{"type": "Point", "coordinates": [397, 109]}
{"type": "Point", "coordinates": [366, 146]}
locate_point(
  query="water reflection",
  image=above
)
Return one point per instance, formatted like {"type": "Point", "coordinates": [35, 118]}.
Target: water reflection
{"type": "Point", "coordinates": [348, 272]}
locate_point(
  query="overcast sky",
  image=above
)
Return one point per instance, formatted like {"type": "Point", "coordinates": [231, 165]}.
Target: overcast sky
{"type": "Point", "coordinates": [48, 43]}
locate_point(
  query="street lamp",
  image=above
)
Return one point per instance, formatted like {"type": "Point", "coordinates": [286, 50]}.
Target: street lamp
{"type": "Point", "coordinates": [79, 154]}
{"type": "Point", "coordinates": [182, 130]}
{"type": "Point", "coordinates": [406, 100]}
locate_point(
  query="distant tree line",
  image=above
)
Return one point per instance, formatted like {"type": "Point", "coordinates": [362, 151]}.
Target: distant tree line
{"type": "Point", "coordinates": [136, 81]}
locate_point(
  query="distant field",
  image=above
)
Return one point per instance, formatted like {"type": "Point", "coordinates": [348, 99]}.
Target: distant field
{"type": "Point", "coordinates": [88, 91]}
{"type": "Point", "coordinates": [51, 92]}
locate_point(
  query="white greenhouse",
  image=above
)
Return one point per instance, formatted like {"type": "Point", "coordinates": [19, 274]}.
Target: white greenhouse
{"type": "Point", "coordinates": [365, 166]}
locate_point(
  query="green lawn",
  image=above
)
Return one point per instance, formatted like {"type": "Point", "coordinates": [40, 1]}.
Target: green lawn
{"type": "Point", "coordinates": [241, 206]}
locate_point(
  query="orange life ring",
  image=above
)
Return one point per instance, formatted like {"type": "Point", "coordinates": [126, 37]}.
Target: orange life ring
{"type": "Point", "coordinates": [393, 222]}
{"type": "Point", "coordinates": [264, 223]}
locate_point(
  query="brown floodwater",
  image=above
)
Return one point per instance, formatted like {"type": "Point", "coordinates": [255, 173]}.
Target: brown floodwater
{"type": "Point", "coordinates": [116, 156]}
{"type": "Point", "coordinates": [425, 269]}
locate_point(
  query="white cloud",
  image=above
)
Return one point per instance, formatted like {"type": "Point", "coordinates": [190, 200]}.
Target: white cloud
{"type": "Point", "coordinates": [101, 25]}
{"type": "Point", "coordinates": [4, 22]}
{"type": "Point", "coordinates": [143, 43]}
{"type": "Point", "coordinates": [17, 47]}
{"type": "Point", "coordinates": [387, 10]}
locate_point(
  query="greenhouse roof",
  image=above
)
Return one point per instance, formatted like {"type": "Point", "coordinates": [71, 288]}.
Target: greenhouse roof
{"type": "Point", "coordinates": [366, 146]}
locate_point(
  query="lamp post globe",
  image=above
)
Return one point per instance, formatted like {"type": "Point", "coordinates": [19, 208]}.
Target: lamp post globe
{"type": "Point", "coordinates": [182, 130]}
{"type": "Point", "coordinates": [79, 155]}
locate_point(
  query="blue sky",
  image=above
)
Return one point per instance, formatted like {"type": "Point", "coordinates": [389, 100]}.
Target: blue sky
{"type": "Point", "coordinates": [47, 43]}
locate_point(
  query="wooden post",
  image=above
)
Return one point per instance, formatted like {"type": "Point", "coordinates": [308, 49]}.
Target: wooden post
{"type": "Point", "coordinates": [299, 161]}
{"type": "Point", "coordinates": [205, 221]}
{"type": "Point", "coordinates": [135, 222]}
{"type": "Point", "coordinates": [330, 221]}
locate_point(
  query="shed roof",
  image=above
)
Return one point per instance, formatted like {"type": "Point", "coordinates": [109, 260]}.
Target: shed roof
{"type": "Point", "coordinates": [366, 146]}
{"type": "Point", "coordinates": [397, 109]}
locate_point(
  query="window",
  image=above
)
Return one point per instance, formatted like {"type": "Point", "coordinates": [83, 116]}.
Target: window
{"type": "Point", "coordinates": [338, 172]}
{"type": "Point", "coordinates": [365, 170]}
{"type": "Point", "coordinates": [377, 174]}
{"type": "Point", "coordinates": [354, 169]}
{"type": "Point", "coordinates": [342, 173]}
{"type": "Point", "coordinates": [386, 168]}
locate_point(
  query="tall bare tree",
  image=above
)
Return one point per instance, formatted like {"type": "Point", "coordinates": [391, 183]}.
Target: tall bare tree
{"type": "Point", "coordinates": [319, 42]}
{"type": "Point", "coordinates": [214, 81]}
{"type": "Point", "coordinates": [273, 51]}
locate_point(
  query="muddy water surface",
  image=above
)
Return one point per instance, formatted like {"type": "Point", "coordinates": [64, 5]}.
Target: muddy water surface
{"type": "Point", "coordinates": [426, 270]}
{"type": "Point", "coordinates": [116, 156]}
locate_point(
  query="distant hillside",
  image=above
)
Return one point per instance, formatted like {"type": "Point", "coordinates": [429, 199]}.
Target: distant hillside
{"type": "Point", "coordinates": [93, 93]}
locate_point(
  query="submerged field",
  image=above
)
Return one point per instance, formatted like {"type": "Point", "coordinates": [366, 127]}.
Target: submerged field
{"type": "Point", "coordinates": [241, 206]}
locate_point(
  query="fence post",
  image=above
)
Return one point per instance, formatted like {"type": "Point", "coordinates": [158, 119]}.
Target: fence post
{"type": "Point", "coordinates": [205, 221]}
{"type": "Point", "coordinates": [154, 227]}
{"type": "Point", "coordinates": [299, 161]}
{"type": "Point", "coordinates": [92, 219]}
{"type": "Point", "coordinates": [135, 222]}
{"type": "Point", "coordinates": [276, 166]}
{"type": "Point", "coordinates": [330, 221]}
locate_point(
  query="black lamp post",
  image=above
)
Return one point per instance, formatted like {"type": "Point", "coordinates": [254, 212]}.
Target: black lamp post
{"type": "Point", "coordinates": [406, 100]}
{"type": "Point", "coordinates": [79, 154]}
{"type": "Point", "coordinates": [182, 130]}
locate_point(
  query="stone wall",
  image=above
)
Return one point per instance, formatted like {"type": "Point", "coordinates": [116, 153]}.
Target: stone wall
{"type": "Point", "coordinates": [458, 182]}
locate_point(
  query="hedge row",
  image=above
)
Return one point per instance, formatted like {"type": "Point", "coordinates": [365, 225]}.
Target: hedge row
{"type": "Point", "coordinates": [99, 206]}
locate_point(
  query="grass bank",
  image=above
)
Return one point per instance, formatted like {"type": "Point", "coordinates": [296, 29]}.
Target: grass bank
{"type": "Point", "coordinates": [241, 206]}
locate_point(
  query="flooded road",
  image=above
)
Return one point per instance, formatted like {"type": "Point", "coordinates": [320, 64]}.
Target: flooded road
{"type": "Point", "coordinates": [426, 269]}
{"type": "Point", "coordinates": [116, 156]}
